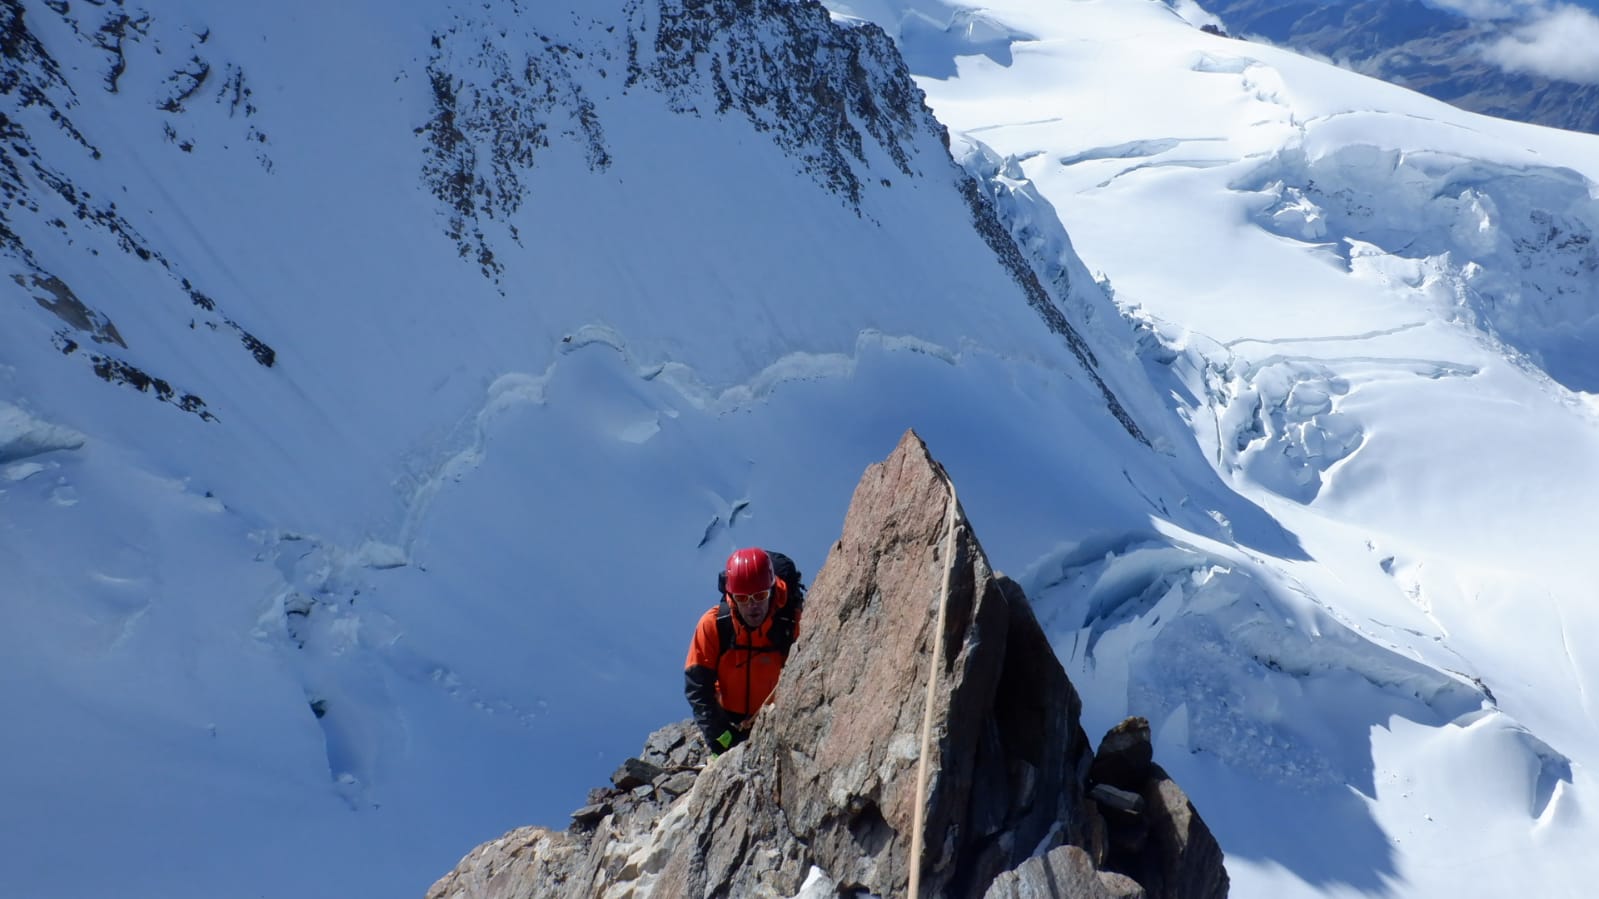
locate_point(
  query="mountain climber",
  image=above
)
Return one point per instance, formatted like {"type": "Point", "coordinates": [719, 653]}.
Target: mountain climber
{"type": "Point", "coordinates": [740, 646]}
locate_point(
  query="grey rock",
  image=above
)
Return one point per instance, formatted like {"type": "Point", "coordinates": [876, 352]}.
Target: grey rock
{"type": "Point", "coordinates": [1162, 844]}
{"type": "Point", "coordinates": [1064, 873]}
{"type": "Point", "coordinates": [675, 785]}
{"type": "Point", "coordinates": [842, 90]}
{"type": "Point", "coordinates": [634, 772]}
{"type": "Point", "coordinates": [1116, 798]}
{"type": "Point", "coordinates": [1124, 756]}
{"type": "Point", "coordinates": [529, 861]}
{"type": "Point", "coordinates": [665, 746]}
{"type": "Point", "coordinates": [590, 815]}
{"type": "Point", "coordinates": [1183, 859]}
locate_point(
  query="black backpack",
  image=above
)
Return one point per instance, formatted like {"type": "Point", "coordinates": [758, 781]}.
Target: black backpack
{"type": "Point", "coordinates": [784, 620]}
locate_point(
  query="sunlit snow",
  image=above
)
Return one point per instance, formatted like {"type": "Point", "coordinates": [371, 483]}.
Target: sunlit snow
{"type": "Point", "coordinates": [432, 575]}
{"type": "Point", "coordinates": [1378, 315]}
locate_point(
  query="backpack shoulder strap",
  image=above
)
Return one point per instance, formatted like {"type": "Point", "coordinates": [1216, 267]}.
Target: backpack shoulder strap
{"type": "Point", "coordinates": [785, 619]}
{"type": "Point", "coordinates": [724, 625]}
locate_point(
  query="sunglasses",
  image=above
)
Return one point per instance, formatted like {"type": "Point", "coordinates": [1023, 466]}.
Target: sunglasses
{"type": "Point", "coordinates": [742, 598]}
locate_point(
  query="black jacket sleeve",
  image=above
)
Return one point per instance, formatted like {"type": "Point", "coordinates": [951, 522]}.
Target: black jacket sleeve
{"type": "Point", "coordinates": [699, 685]}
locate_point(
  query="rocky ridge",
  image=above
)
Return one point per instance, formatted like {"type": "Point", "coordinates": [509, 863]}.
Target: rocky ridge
{"type": "Point", "coordinates": [44, 152]}
{"type": "Point", "coordinates": [824, 794]}
{"type": "Point", "coordinates": [838, 100]}
{"type": "Point", "coordinates": [506, 85]}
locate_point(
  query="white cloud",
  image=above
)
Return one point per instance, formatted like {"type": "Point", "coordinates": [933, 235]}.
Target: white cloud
{"type": "Point", "coordinates": [1563, 44]}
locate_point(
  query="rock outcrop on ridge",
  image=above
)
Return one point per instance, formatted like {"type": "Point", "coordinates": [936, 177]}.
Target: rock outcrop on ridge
{"type": "Point", "coordinates": [825, 790]}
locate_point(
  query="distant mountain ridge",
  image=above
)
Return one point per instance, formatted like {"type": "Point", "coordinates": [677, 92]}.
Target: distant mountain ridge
{"type": "Point", "coordinates": [1428, 50]}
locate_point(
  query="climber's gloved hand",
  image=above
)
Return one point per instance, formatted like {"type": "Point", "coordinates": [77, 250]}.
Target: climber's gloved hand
{"type": "Point", "coordinates": [725, 741]}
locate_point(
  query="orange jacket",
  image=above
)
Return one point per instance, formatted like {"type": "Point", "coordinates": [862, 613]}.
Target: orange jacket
{"type": "Point", "coordinates": [747, 673]}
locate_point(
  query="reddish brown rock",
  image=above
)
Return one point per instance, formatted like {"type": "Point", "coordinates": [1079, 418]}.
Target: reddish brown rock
{"type": "Point", "coordinates": [828, 778]}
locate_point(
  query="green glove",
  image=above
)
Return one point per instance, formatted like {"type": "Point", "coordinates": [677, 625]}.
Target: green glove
{"type": "Point", "coordinates": [725, 740]}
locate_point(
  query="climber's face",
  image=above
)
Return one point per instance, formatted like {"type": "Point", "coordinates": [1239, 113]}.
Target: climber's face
{"type": "Point", "coordinates": [752, 607]}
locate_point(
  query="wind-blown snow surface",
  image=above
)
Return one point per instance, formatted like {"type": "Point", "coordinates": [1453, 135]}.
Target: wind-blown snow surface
{"type": "Point", "coordinates": [1379, 316]}
{"type": "Point", "coordinates": [428, 569]}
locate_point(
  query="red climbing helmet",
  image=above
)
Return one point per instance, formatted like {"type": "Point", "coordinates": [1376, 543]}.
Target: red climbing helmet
{"type": "Point", "coordinates": [749, 571]}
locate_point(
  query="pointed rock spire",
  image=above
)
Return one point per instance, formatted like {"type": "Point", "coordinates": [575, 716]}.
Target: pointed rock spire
{"type": "Point", "coordinates": [829, 777]}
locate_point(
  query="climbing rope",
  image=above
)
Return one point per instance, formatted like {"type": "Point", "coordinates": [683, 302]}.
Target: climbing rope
{"type": "Point", "coordinates": [917, 816]}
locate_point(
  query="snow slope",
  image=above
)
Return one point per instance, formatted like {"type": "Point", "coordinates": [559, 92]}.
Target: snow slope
{"type": "Point", "coordinates": [1378, 315]}
{"type": "Point", "coordinates": [364, 464]}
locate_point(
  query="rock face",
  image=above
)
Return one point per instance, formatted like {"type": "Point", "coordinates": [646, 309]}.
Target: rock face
{"type": "Point", "coordinates": [1160, 841]}
{"type": "Point", "coordinates": [828, 778]}
{"type": "Point", "coordinates": [1065, 871]}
